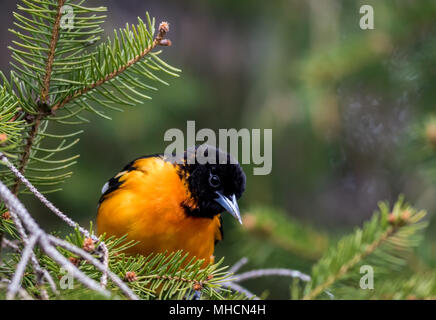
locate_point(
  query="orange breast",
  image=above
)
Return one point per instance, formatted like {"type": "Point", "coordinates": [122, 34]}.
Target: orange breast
{"type": "Point", "coordinates": [147, 207]}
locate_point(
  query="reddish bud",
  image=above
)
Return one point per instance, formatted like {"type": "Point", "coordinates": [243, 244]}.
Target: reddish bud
{"type": "Point", "coordinates": [392, 219]}
{"type": "Point", "coordinates": [130, 276]}
{"type": "Point", "coordinates": [3, 137]}
{"type": "Point", "coordinates": [6, 215]}
{"type": "Point", "coordinates": [164, 27]}
{"type": "Point", "coordinates": [197, 286]}
{"type": "Point", "coordinates": [89, 245]}
{"type": "Point", "coordinates": [74, 261]}
{"type": "Point", "coordinates": [166, 43]}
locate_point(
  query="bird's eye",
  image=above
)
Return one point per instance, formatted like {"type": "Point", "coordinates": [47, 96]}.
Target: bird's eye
{"type": "Point", "coordinates": [214, 181]}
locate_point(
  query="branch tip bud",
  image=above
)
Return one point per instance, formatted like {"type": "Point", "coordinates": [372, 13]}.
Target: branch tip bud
{"type": "Point", "coordinates": [164, 27]}
{"type": "Point", "coordinates": [166, 43]}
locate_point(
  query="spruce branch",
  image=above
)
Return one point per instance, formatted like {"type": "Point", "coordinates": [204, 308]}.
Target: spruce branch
{"type": "Point", "coordinates": [25, 257]}
{"type": "Point", "coordinates": [105, 261]}
{"type": "Point", "coordinates": [238, 265]}
{"type": "Point", "coordinates": [384, 243]}
{"type": "Point", "coordinates": [166, 276]}
{"type": "Point", "coordinates": [37, 235]}
{"type": "Point", "coordinates": [197, 284]}
{"type": "Point", "coordinates": [238, 288]}
{"type": "Point", "coordinates": [159, 40]}
{"type": "Point", "coordinates": [233, 282]}
{"type": "Point", "coordinates": [418, 286]}
{"type": "Point", "coordinates": [57, 212]}
{"type": "Point", "coordinates": [27, 150]}
{"type": "Point", "coordinates": [4, 283]}
{"type": "Point", "coordinates": [271, 272]}
{"type": "Point", "coordinates": [51, 55]}
{"type": "Point", "coordinates": [48, 245]}
{"type": "Point", "coordinates": [350, 264]}
{"type": "Point", "coordinates": [100, 266]}
{"type": "Point", "coordinates": [10, 244]}
{"type": "Point", "coordinates": [56, 68]}
{"type": "Point", "coordinates": [192, 275]}
{"type": "Point", "coordinates": [40, 273]}
{"type": "Point", "coordinates": [20, 177]}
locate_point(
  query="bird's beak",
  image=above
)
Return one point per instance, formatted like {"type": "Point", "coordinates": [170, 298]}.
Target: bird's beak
{"type": "Point", "coordinates": [230, 205]}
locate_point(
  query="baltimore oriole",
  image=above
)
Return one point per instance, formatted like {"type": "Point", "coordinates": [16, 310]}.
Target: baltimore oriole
{"type": "Point", "coordinates": [170, 205]}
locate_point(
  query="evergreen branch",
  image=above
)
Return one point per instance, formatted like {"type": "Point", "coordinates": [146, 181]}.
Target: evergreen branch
{"type": "Point", "coordinates": [26, 153]}
{"type": "Point", "coordinates": [236, 287]}
{"type": "Point", "coordinates": [48, 244]}
{"type": "Point", "coordinates": [417, 286]}
{"type": "Point", "coordinates": [100, 266]}
{"type": "Point", "coordinates": [270, 272]}
{"type": "Point", "coordinates": [44, 52]}
{"type": "Point", "coordinates": [350, 264]}
{"type": "Point", "coordinates": [57, 212]}
{"type": "Point", "coordinates": [10, 244]}
{"type": "Point", "coordinates": [388, 237]}
{"type": "Point", "coordinates": [53, 68]}
{"type": "Point", "coordinates": [421, 285]}
{"type": "Point", "coordinates": [169, 276]}
{"type": "Point", "coordinates": [23, 293]}
{"type": "Point", "coordinates": [159, 40]}
{"type": "Point", "coordinates": [41, 197]}
{"type": "Point", "coordinates": [236, 278]}
{"type": "Point", "coordinates": [21, 216]}
{"type": "Point", "coordinates": [25, 257]}
{"type": "Point", "coordinates": [51, 55]}
{"type": "Point", "coordinates": [196, 283]}
{"type": "Point", "coordinates": [39, 272]}
{"type": "Point", "coordinates": [105, 261]}
{"type": "Point", "coordinates": [238, 265]}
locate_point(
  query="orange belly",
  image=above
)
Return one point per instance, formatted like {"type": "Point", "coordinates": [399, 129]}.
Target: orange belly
{"type": "Point", "coordinates": [147, 207]}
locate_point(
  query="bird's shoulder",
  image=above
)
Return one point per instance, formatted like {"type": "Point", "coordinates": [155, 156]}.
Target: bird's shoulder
{"type": "Point", "coordinates": [143, 164]}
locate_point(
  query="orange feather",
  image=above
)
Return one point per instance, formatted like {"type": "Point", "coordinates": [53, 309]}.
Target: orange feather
{"type": "Point", "coordinates": [147, 207]}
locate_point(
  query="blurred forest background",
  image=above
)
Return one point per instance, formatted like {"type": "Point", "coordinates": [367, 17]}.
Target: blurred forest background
{"type": "Point", "coordinates": [351, 113]}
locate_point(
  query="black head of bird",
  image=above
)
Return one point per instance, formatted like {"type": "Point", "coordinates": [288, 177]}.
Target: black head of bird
{"type": "Point", "coordinates": [215, 180]}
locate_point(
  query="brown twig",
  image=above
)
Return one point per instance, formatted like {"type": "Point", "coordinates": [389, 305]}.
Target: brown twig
{"type": "Point", "coordinates": [51, 55]}
{"type": "Point", "coordinates": [26, 154]}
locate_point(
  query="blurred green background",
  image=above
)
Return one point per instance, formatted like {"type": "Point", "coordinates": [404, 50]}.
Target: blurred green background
{"type": "Point", "coordinates": [350, 111]}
